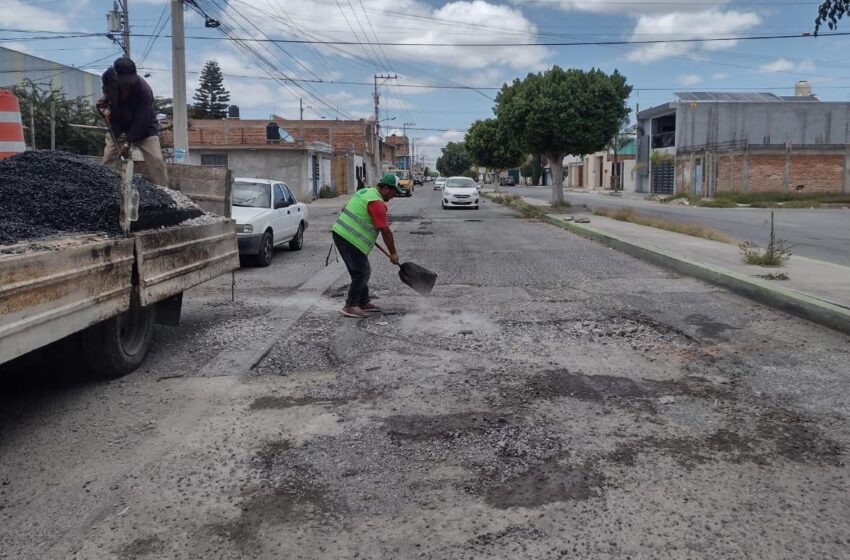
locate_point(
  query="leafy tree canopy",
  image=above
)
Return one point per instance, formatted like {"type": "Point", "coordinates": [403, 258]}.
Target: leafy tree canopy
{"type": "Point", "coordinates": [66, 112]}
{"type": "Point", "coordinates": [560, 112]}
{"type": "Point", "coordinates": [455, 159]}
{"type": "Point", "coordinates": [490, 144]}
{"type": "Point", "coordinates": [830, 11]}
{"type": "Point", "coordinates": [211, 99]}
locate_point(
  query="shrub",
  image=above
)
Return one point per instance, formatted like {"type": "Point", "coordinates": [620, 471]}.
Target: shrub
{"type": "Point", "coordinates": [327, 192]}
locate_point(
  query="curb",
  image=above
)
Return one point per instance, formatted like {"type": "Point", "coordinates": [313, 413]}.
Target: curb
{"type": "Point", "coordinates": [806, 307]}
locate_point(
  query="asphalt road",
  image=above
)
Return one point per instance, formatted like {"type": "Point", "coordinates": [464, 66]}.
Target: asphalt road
{"type": "Point", "coordinates": [553, 399]}
{"type": "Point", "coordinates": [818, 233]}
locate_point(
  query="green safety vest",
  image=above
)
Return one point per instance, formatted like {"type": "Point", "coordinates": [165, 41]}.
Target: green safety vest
{"type": "Point", "coordinates": [355, 224]}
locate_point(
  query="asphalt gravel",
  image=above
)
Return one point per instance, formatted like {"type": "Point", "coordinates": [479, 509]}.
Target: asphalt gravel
{"type": "Point", "coordinates": [45, 194]}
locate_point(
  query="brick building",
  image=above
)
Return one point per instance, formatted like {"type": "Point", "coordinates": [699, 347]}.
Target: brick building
{"type": "Point", "coordinates": [306, 155]}
{"type": "Point", "coordinates": [707, 143]}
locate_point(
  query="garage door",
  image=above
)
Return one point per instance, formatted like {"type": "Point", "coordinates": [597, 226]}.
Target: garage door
{"type": "Point", "coordinates": [663, 177]}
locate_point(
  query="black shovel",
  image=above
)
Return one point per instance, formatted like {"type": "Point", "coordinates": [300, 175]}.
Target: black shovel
{"type": "Point", "coordinates": [417, 277]}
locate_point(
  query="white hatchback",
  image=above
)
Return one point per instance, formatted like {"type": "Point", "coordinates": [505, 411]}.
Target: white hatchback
{"type": "Point", "coordinates": [439, 183]}
{"type": "Point", "coordinates": [267, 215]}
{"type": "Point", "coordinates": [460, 192]}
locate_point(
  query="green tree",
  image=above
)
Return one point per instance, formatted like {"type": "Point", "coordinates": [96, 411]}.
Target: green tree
{"type": "Point", "coordinates": [560, 112]}
{"type": "Point", "coordinates": [211, 99]}
{"type": "Point", "coordinates": [829, 12]}
{"type": "Point", "coordinates": [455, 160]}
{"type": "Point", "coordinates": [617, 143]}
{"type": "Point", "coordinates": [490, 144]}
{"type": "Point", "coordinates": [78, 127]}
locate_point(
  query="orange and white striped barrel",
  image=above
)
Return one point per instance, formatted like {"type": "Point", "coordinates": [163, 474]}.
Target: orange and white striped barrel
{"type": "Point", "coordinates": [11, 129]}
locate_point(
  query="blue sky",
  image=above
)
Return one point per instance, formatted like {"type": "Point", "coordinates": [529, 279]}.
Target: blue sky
{"type": "Point", "coordinates": [656, 71]}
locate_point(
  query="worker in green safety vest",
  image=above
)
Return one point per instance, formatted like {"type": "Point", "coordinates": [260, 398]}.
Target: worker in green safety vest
{"type": "Point", "coordinates": [354, 235]}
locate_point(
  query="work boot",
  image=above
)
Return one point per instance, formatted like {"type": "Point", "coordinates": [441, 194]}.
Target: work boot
{"type": "Point", "coordinates": [371, 308]}
{"type": "Point", "coordinates": [353, 312]}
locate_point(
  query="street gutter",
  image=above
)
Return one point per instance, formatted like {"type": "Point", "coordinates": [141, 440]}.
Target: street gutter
{"type": "Point", "coordinates": [818, 311]}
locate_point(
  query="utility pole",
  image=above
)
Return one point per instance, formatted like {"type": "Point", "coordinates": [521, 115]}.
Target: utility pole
{"type": "Point", "coordinates": [119, 21]}
{"type": "Point", "coordinates": [52, 122]}
{"type": "Point", "coordinates": [378, 122]}
{"type": "Point", "coordinates": [32, 121]}
{"type": "Point", "coordinates": [125, 20]}
{"type": "Point", "coordinates": [407, 143]}
{"type": "Point", "coordinates": [301, 121]}
{"type": "Point", "coordinates": [178, 78]}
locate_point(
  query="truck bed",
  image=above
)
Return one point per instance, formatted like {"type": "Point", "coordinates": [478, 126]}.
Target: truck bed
{"type": "Point", "coordinates": [51, 289]}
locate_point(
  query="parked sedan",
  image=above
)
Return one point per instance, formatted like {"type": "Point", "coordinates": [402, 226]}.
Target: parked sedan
{"type": "Point", "coordinates": [267, 216]}
{"type": "Point", "coordinates": [439, 183]}
{"type": "Point", "coordinates": [460, 192]}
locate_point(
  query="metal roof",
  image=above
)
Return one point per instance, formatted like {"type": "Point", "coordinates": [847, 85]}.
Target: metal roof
{"type": "Point", "coordinates": [751, 97]}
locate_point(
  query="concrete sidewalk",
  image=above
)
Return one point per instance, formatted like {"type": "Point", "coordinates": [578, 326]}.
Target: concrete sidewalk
{"type": "Point", "coordinates": [816, 290]}
{"type": "Point", "coordinates": [335, 202]}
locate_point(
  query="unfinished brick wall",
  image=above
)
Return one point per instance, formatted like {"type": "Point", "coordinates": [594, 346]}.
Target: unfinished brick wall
{"type": "Point", "coordinates": [730, 173]}
{"type": "Point", "coordinates": [767, 173]}
{"type": "Point", "coordinates": [816, 173]}
{"type": "Point", "coordinates": [344, 136]}
{"type": "Point", "coordinates": [684, 176]}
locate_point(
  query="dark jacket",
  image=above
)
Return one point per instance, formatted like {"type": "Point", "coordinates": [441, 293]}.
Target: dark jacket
{"type": "Point", "coordinates": [135, 115]}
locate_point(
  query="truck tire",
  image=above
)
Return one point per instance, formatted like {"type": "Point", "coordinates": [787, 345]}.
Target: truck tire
{"type": "Point", "coordinates": [119, 345]}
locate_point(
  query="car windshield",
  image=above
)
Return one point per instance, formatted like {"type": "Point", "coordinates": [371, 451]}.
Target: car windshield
{"type": "Point", "coordinates": [460, 183]}
{"type": "Point", "coordinates": [251, 195]}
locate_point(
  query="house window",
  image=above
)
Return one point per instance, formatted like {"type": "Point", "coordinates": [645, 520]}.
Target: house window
{"type": "Point", "coordinates": [214, 160]}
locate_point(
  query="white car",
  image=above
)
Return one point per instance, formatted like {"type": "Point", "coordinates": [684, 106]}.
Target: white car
{"type": "Point", "coordinates": [460, 192]}
{"type": "Point", "coordinates": [267, 216]}
{"type": "Point", "coordinates": [439, 183]}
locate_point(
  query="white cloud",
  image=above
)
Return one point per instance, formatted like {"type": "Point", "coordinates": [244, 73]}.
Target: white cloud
{"type": "Point", "coordinates": [629, 7]}
{"type": "Point", "coordinates": [689, 25]}
{"type": "Point", "coordinates": [431, 146]}
{"type": "Point", "coordinates": [18, 15]}
{"type": "Point", "coordinates": [720, 76]}
{"type": "Point", "coordinates": [440, 25]}
{"type": "Point", "coordinates": [786, 66]}
{"type": "Point", "coordinates": [690, 79]}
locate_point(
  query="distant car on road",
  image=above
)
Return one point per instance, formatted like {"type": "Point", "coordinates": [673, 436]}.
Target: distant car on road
{"type": "Point", "coordinates": [460, 192]}
{"type": "Point", "coordinates": [267, 216]}
{"type": "Point", "coordinates": [439, 183]}
{"type": "Point", "coordinates": [507, 181]}
{"type": "Point", "coordinates": [417, 180]}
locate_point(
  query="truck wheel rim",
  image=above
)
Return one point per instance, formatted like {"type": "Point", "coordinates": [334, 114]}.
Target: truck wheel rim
{"type": "Point", "coordinates": [132, 328]}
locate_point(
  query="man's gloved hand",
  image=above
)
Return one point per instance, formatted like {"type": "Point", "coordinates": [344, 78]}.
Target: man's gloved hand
{"type": "Point", "coordinates": [124, 150]}
{"type": "Point", "coordinates": [394, 258]}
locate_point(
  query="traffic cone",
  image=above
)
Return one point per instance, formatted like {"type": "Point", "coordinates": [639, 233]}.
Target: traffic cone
{"type": "Point", "coordinates": [11, 129]}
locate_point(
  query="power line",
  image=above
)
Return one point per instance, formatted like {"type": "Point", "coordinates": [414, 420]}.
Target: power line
{"type": "Point", "coordinates": [803, 35]}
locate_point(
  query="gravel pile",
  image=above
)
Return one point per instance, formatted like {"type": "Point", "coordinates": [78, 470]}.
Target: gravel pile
{"type": "Point", "coordinates": [53, 193]}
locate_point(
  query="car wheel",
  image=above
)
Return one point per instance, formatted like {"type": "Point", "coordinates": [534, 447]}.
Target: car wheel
{"type": "Point", "coordinates": [298, 241]}
{"type": "Point", "coordinates": [477, 207]}
{"type": "Point", "coordinates": [264, 257]}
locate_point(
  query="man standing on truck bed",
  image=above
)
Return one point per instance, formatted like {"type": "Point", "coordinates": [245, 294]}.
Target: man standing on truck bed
{"type": "Point", "coordinates": [355, 233]}
{"type": "Point", "coordinates": [131, 113]}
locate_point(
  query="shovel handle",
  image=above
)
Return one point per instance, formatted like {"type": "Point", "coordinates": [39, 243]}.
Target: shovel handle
{"type": "Point", "coordinates": [384, 251]}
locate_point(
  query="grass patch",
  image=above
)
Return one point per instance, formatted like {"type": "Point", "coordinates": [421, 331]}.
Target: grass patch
{"type": "Point", "coordinates": [773, 276]}
{"type": "Point", "coordinates": [694, 230]}
{"type": "Point", "coordinates": [763, 200]}
{"type": "Point", "coordinates": [776, 254]}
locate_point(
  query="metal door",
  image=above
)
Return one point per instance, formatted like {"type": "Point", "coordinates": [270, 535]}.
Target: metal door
{"type": "Point", "coordinates": [698, 178]}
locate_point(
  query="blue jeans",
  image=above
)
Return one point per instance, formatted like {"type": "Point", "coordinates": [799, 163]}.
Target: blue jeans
{"type": "Point", "coordinates": [358, 268]}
